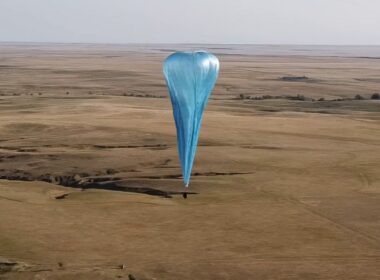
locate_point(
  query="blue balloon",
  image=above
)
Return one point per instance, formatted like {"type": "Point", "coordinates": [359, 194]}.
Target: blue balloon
{"type": "Point", "coordinates": [190, 77]}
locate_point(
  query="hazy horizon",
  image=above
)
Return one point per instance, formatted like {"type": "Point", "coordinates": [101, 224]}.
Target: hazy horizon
{"type": "Point", "coordinates": [189, 43]}
{"type": "Point", "coordinates": [253, 22]}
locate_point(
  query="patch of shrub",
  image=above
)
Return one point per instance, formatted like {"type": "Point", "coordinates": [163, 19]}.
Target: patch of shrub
{"type": "Point", "coordinates": [267, 96]}
{"type": "Point", "coordinates": [294, 78]}
{"type": "Point", "coordinates": [375, 96]}
{"type": "Point", "coordinates": [131, 277]}
{"type": "Point", "coordinates": [359, 97]}
{"type": "Point", "coordinates": [143, 95]}
{"type": "Point", "coordinates": [297, 97]}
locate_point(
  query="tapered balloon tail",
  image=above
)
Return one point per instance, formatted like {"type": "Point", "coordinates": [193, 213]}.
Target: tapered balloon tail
{"type": "Point", "coordinates": [190, 77]}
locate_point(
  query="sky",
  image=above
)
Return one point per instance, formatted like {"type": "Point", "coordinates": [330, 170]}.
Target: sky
{"type": "Point", "coordinates": [331, 22]}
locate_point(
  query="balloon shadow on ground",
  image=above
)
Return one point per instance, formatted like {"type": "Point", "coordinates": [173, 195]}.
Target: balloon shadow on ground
{"type": "Point", "coordinates": [113, 186]}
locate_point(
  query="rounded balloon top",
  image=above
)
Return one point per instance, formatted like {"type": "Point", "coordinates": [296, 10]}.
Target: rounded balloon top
{"type": "Point", "coordinates": [202, 57]}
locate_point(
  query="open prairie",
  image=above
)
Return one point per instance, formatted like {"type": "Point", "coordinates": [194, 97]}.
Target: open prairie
{"type": "Point", "coordinates": [286, 182]}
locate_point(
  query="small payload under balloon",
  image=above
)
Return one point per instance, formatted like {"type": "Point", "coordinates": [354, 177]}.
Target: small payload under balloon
{"type": "Point", "coordinates": [190, 77]}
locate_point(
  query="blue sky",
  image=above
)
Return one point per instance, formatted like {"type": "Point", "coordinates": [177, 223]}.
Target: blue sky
{"type": "Point", "coordinates": [354, 22]}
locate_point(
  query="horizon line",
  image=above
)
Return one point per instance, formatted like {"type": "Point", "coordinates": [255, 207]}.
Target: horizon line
{"type": "Point", "coordinates": [188, 43]}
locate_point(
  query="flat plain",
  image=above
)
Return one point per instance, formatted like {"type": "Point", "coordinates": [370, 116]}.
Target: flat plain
{"type": "Point", "coordinates": [285, 185]}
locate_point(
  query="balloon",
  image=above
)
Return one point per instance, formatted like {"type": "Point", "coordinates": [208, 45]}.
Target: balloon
{"type": "Point", "coordinates": [190, 77]}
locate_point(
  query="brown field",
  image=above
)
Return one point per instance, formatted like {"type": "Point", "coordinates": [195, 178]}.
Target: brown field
{"type": "Point", "coordinates": [286, 187]}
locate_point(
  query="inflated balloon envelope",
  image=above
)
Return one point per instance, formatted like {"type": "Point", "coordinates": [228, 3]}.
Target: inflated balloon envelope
{"type": "Point", "coordinates": [190, 77]}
